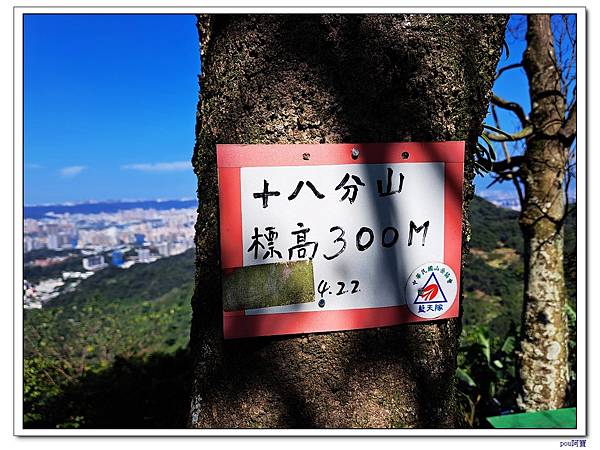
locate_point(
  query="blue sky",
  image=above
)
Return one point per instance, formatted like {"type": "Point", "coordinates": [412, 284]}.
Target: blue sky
{"type": "Point", "coordinates": [110, 106]}
{"type": "Point", "coordinates": [513, 85]}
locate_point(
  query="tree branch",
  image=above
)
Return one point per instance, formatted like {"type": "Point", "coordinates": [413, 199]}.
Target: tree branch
{"type": "Point", "coordinates": [569, 129]}
{"type": "Point", "coordinates": [511, 106]}
{"type": "Point", "coordinates": [509, 67]}
{"type": "Point", "coordinates": [514, 176]}
{"type": "Point", "coordinates": [508, 164]}
{"type": "Point", "coordinates": [524, 133]}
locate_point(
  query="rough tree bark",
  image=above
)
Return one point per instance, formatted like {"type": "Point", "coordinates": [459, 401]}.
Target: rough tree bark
{"type": "Point", "coordinates": [331, 79]}
{"type": "Point", "coordinates": [542, 359]}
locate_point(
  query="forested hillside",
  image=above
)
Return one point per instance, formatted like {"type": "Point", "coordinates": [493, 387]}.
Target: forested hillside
{"type": "Point", "coordinates": [493, 300]}
{"type": "Point", "coordinates": [113, 353]}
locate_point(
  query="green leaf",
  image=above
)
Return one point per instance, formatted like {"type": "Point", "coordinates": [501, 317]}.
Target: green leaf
{"type": "Point", "coordinates": [492, 153]}
{"type": "Point", "coordinates": [571, 313]}
{"type": "Point", "coordinates": [511, 371]}
{"type": "Point", "coordinates": [464, 376]}
{"type": "Point", "coordinates": [498, 364]}
{"type": "Point", "coordinates": [509, 345]}
{"type": "Point", "coordinates": [483, 340]}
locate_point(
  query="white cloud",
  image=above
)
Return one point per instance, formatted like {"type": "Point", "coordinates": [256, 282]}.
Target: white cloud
{"type": "Point", "coordinates": [175, 166]}
{"type": "Point", "coordinates": [71, 171]}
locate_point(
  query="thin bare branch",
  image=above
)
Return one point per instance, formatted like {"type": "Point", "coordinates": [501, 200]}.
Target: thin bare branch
{"type": "Point", "coordinates": [514, 177]}
{"type": "Point", "coordinates": [508, 164]}
{"type": "Point", "coordinates": [522, 134]}
{"type": "Point", "coordinates": [509, 67]}
{"type": "Point", "coordinates": [511, 106]}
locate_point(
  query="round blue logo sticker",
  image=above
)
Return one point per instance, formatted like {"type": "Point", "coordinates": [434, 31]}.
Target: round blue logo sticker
{"type": "Point", "coordinates": [431, 290]}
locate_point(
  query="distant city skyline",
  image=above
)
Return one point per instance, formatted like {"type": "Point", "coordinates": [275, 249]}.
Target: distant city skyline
{"type": "Point", "coordinates": [111, 200]}
{"type": "Point", "coordinates": [84, 241]}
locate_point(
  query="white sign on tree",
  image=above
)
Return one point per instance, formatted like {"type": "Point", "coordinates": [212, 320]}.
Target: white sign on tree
{"type": "Point", "coordinates": [380, 224]}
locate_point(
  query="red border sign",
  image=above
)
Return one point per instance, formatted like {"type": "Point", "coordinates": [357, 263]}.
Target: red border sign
{"type": "Point", "coordinates": [232, 157]}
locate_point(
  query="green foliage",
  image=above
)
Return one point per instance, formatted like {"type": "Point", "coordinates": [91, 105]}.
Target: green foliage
{"type": "Point", "coordinates": [39, 386]}
{"type": "Point", "coordinates": [494, 227]}
{"type": "Point", "coordinates": [492, 296]}
{"type": "Point", "coordinates": [493, 300]}
{"type": "Point", "coordinates": [34, 274]}
{"type": "Point", "coordinates": [486, 374]}
{"type": "Point", "coordinates": [571, 254]}
{"type": "Point", "coordinates": [572, 348]}
{"type": "Point", "coordinates": [42, 253]}
{"type": "Point", "coordinates": [141, 281]}
{"type": "Point", "coordinates": [149, 391]}
{"type": "Point", "coordinates": [77, 349]}
{"type": "Point", "coordinates": [112, 354]}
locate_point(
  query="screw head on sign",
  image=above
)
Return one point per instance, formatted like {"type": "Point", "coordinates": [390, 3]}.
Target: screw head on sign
{"type": "Point", "coordinates": [405, 155]}
{"type": "Point", "coordinates": [355, 153]}
{"type": "Point", "coordinates": [321, 303]}
{"type": "Point", "coordinates": [306, 156]}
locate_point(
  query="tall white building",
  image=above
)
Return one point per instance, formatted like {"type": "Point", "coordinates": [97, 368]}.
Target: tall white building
{"type": "Point", "coordinates": [53, 243]}
{"type": "Point", "coordinates": [144, 255]}
{"type": "Point", "coordinates": [28, 244]}
{"type": "Point", "coordinates": [163, 249]}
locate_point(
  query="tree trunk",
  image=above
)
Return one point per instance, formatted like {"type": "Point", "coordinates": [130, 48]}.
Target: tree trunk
{"type": "Point", "coordinates": [543, 353]}
{"type": "Point", "coordinates": [331, 79]}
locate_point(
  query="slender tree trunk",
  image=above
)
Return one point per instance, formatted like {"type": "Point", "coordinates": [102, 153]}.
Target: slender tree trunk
{"type": "Point", "coordinates": [331, 79]}
{"type": "Point", "coordinates": [543, 354]}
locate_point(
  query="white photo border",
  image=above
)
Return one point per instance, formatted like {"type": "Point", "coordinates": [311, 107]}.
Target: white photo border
{"type": "Point", "coordinates": [114, 8]}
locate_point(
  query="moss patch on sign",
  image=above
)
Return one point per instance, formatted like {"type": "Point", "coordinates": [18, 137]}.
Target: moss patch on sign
{"type": "Point", "coordinates": [268, 285]}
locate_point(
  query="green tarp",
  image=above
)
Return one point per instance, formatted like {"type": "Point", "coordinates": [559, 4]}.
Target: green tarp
{"type": "Point", "coordinates": [559, 418]}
